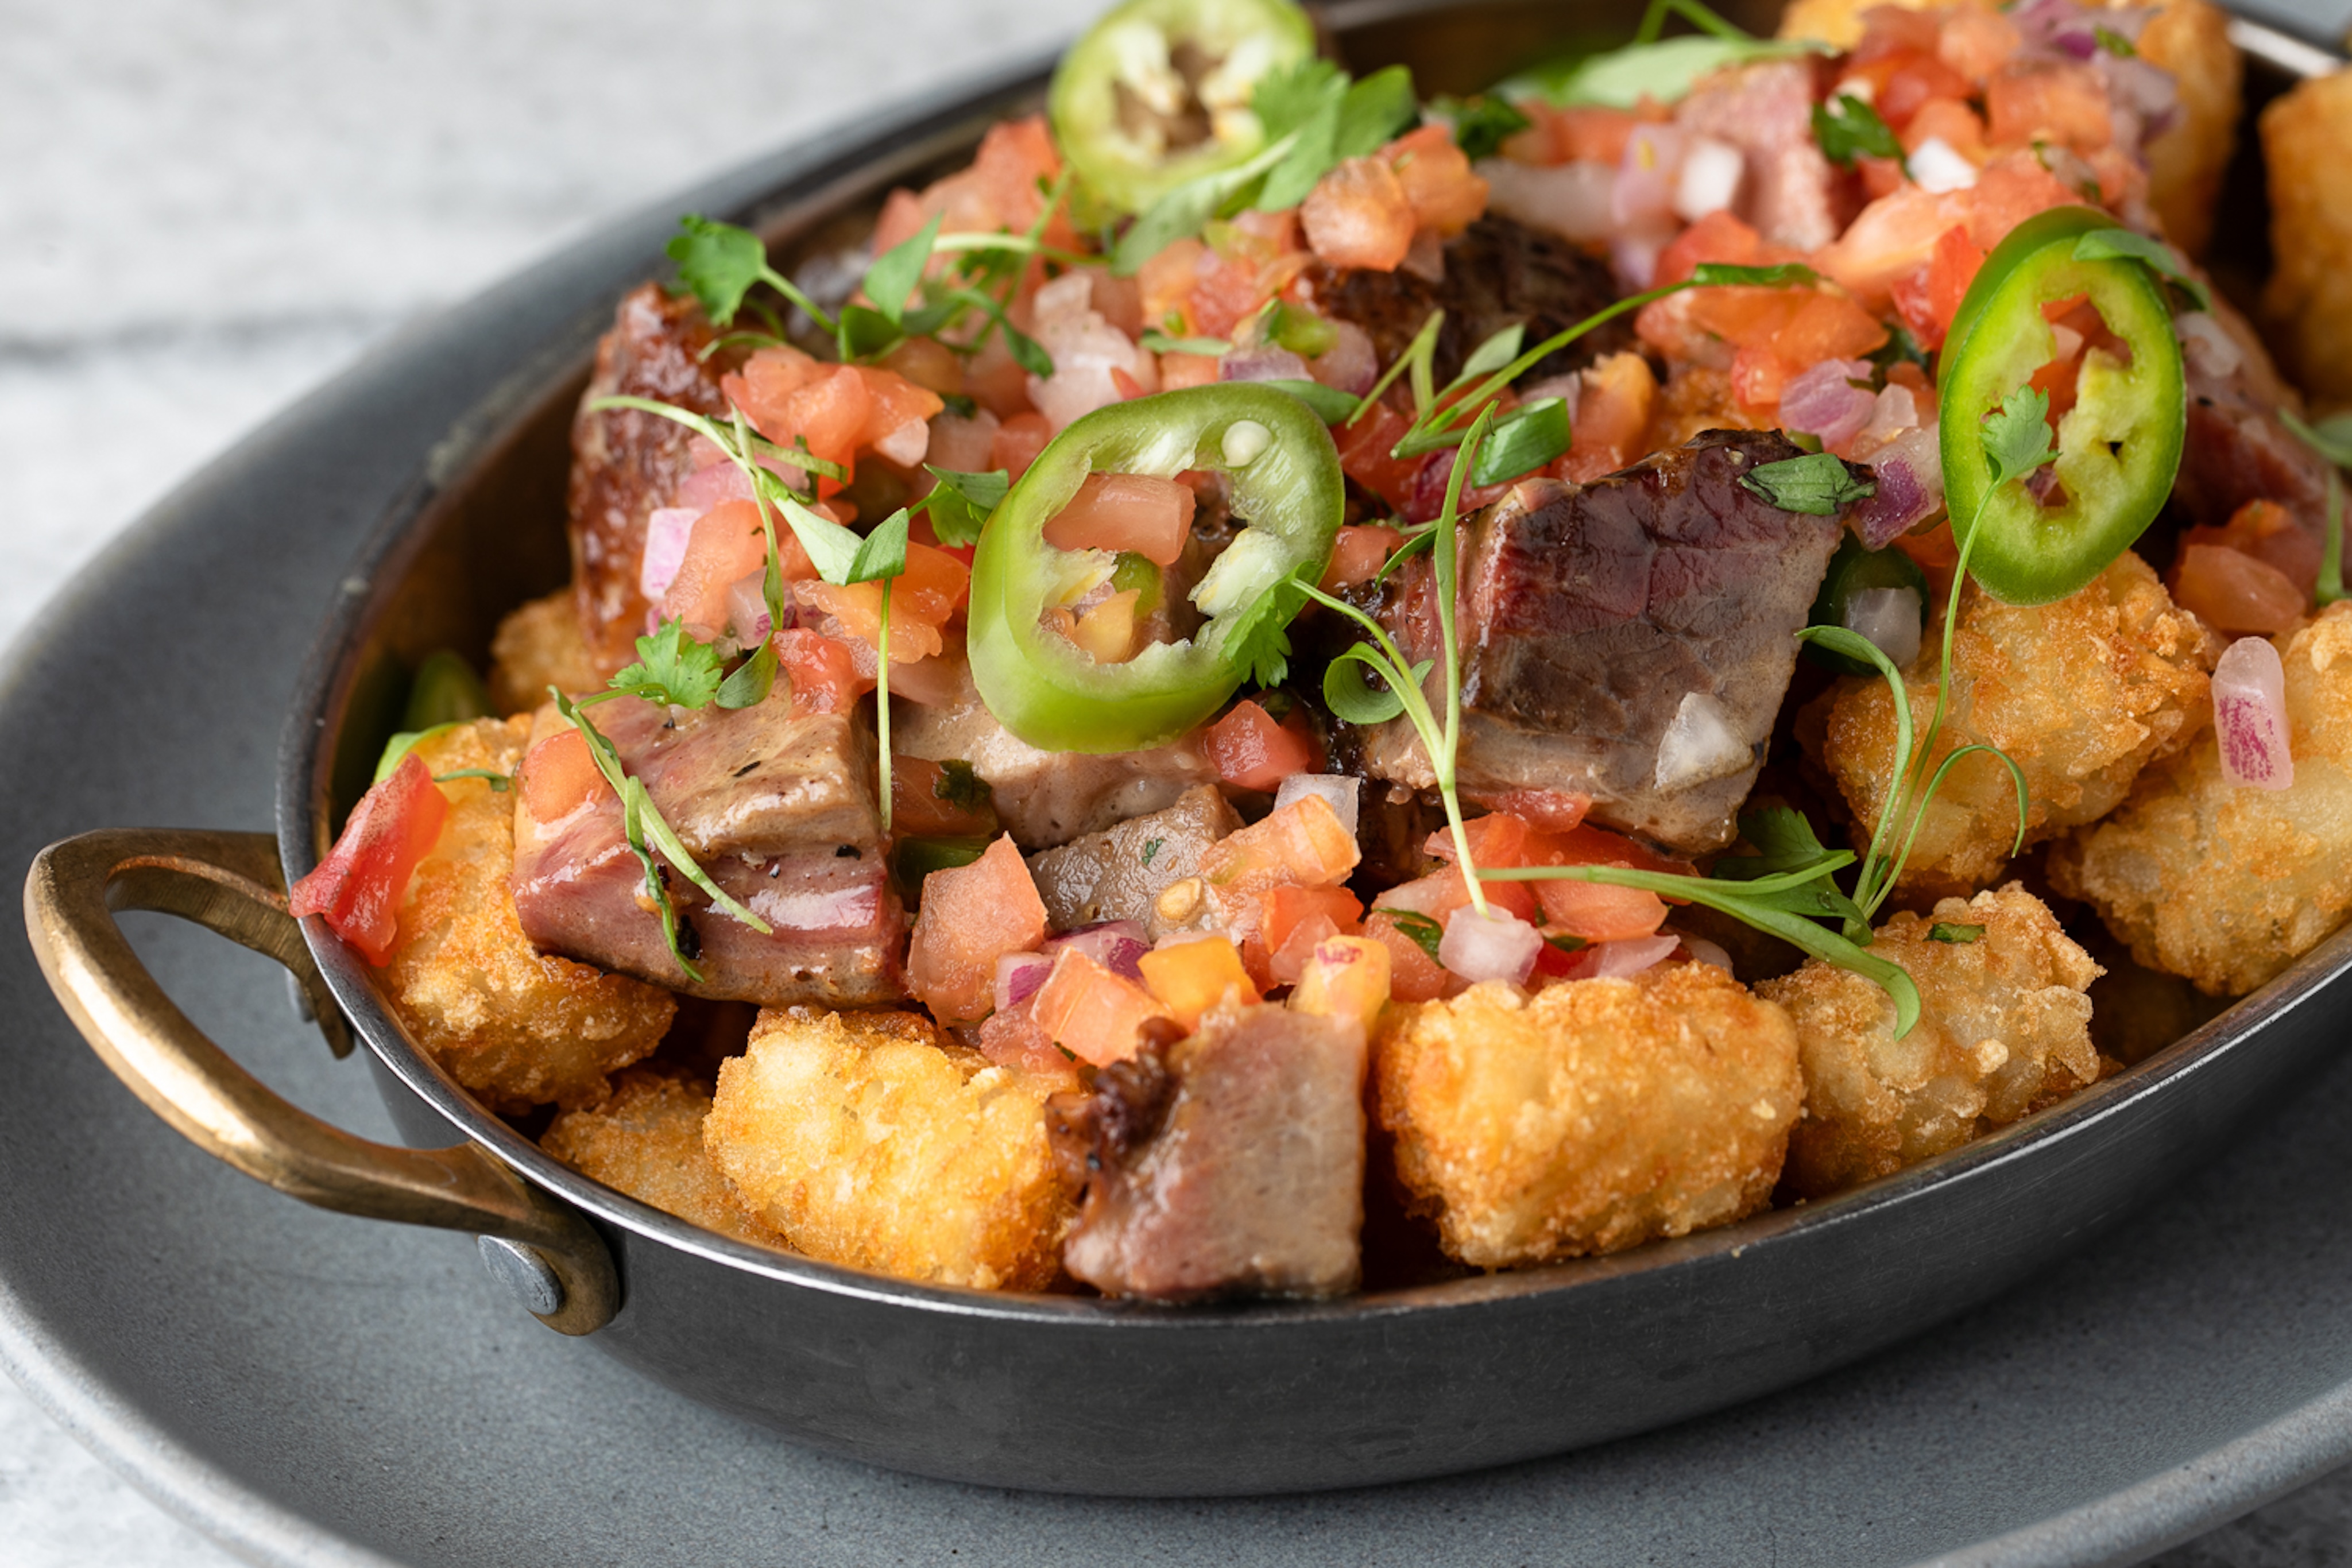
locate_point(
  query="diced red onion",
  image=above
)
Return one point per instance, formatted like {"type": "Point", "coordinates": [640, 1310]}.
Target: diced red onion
{"type": "Point", "coordinates": [1887, 618]}
{"type": "Point", "coordinates": [1572, 200]}
{"type": "Point", "coordinates": [1341, 790]}
{"type": "Point", "coordinates": [2250, 716]}
{"type": "Point", "coordinates": [747, 608]}
{"type": "Point", "coordinates": [1262, 362]}
{"type": "Point", "coordinates": [1115, 945]}
{"type": "Point", "coordinates": [1086, 349]}
{"type": "Point", "coordinates": [1018, 977]}
{"type": "Point", "coordinates": [1937, 166]}
{"type": "Point", "coordinates": [1643, 195]}
{"type": "Point", "coordinates": [710, 485]}
{"type": "Point", "coordinates": [2143, 91]}
{"type": "Point", "coordinates": [1823, 400]}
{"type": "Point", "coordinates": [1499, 947]}
{"type": "Point", "coordinates": [1710, 178]}
{"type": "Point", "coordinates": [1894, 411]}
{"type": "Point", "coordinates": [1634, 256]}
{"type": "Point", "coordinates": [1910, 478]}
{"type": "Point", "coordinates": [1350, 364]}
{"type": "Point", "coordinates": [666, 531]}
{"type": "Point", "coordinates": [1619, 960]}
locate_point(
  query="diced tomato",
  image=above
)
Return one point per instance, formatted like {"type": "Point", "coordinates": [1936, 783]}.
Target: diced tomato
{"type": "Point", "coordinates": [930, 364]}
{"type": "Point", "coordinates": [1444, 890]}
{"type": "Point", "coordinates": [1187, 978]}
{"type": "Point", "coordinates": [923, 598]}
{"type": "Point", "coordinates": [1553, 810]}
{"type": "Point", "coordinates": [1011, 1038]}
{"type": "Point", "coordinates": [1890, 33]}
{"type": "Point", "coordinates": [357, 888]}
{"type": "Point", "coordinates": [1166, 280]}
{"type": "Point", "coordinates": [1950, 121]}
{"type": "Point", "coordinates": [928, 801]}
{"type": "Point", "coordinates": [1929, 298]}
{"type": "Point", "coordinates": [1250, 751]}
{"type": "Point", "coordinates": [2009, 190]}
{"type": "Point", "coordinates": [1285, 909]}
{"type": "Point", "coordinates": [790, 399]}
{"type": "Point", "coordinates": [729, 542]}
{"type": "Point", "coordinates": [1588, 845]}
{"type": "Point", "coordinates": [822, 673]}
{"type": "Point", "coordinates": [1138, 512]}
{"type": "Point", "coordinates": [997, 382]}
{"type": "Point", "coordinates": [1364, 448]}
{"type": "Point", "coordinates": [898, 415]}
{"type": "Point", "coordinates": [1610, 416]}
{"type": "Point", "coordinates": [1599, 912]}
{"type": "Point", "coordinates": [2235, 593]}
{"type": "Point", "coordinates": [558, 775]}
{"type": "Point", "coordinates": [1358, 553]}
{"type": "Point", "coordinates": [1413, 975]}
{"type": "Point", "coordinates": [971, 917]}
{"type": "Point", "coordinates": [1018, 441]}
{"type": "Point", "coordinates": [1758, 376]}
{"type": "Point", "coordinates": [1087, 1010]}
{"type": "Point", "coordinates": [1345, 976]}
{"type": "Point", "coordinates": [1584, 135]}
{"type": "Point", "coordinates": [1180, 371]}
{"type": "Point", "coordinates": [1015, 165]}
{"type": "Point", "coordinates": [1913, 84]}
{"type": "Point", "coordinates": [1446, 196]}
{"type": "Point", "coordinates": [1976, 41]}
{"type": "Point", "coordinates": [1358, 216]}
{"type": "Point", "coordinates": [2268, 532]}
{"type": "Point", "coordinates": [1303, 843]}
{"type": "Point", "coordinates": [2029, 101]}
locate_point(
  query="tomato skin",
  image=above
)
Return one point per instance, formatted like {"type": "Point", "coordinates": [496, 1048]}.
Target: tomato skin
{"type": "Point", "coordinates": [823, 672]}
{"type": "Point", "coordinates": [558, 775]}
{"type": "Point", "coordinates": [1139, 512]}
{"type": "Point", "coordinates": [357, 888]}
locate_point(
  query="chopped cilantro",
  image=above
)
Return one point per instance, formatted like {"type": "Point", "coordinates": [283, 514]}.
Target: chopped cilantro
{"type": "Point", "coordinates": [1953, 931]}
{"type": "Point", "coordinates": [1482, 124]}
{"type": "Point", "coordinates": [1152, 848]}
{"type": "Point", "coordinates": [1850, 129]}
{"type": "Point", "coordinates": [671, 667]}
{"type": "Point", "coordinates": [1818, 484]}
{"type": "Point", "coordinates": [1420, 929]}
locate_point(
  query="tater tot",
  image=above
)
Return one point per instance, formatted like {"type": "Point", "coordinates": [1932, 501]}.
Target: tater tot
{"type": "Point", "coordinates": [2307, 146]}
{"type": "Point", "coordinates": [2081, 694]}
{"type": "Point", "coordinates": [2191, 38]}
{"type": "Point", "coordinates": [1590, 1117]}
{"type": "Point", "coordinates": [2004, 1031]}
{"type": "Point", "coordinates": [2225, 884]}
{"type": "Point", "coordinates": [865, 1143]}
{"type": "Point", "coordinates": [516, 1027]}
{"type": "Point", "coordinates": [646, 1141]}
{"type": "Point", "coordinates": [539, 646]}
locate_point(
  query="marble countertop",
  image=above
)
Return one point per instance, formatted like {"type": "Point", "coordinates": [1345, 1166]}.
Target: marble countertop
{"type": "Point", "coordinates": [210, 206]}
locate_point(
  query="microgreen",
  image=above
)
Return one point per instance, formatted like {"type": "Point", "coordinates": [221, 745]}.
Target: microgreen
{"type": "Point", "coordinates": [1482, 124]}
{"type": "Point", "coordinates": [1415, 361]}
{"type": "Point", "coordinates": [2123, 244]}
{"type": "Point", "coordinates": [1651, 67]}
{"type": "Point", "coordinates": [671, 668]}
{"type": "Point", "coordinates": [1525, 439]}
{"type": "Point", "coordinates": [1331, 405]}
{"type": "Point", "coordinates": [1160, 342]}
{"type": "Point", "coordinates": [2332, 439]}
{"type": "Point", "coordinates": [1850, 129]}
{"type": "Point", "coordinates": [1819, 484]}
{"type": "Point", "coordinates": [961, 504]}
{"type": "Point", "coordinates": [498, 781]}
{"type": "Point", "coordinates": [720, 262]}
{"type": "Point", "coordinates": [2331, 558]}
{"type": "Point", "coordinates": [2115, 43]}
{"type": "Point", "coordinates": [1953, 931]}
{"type": "Point", "coordinates": [1417, 928]}
{"type": "Point", "coordinates": [1257, 636]}
{"type": "Point", "coordinates": [892, 278]}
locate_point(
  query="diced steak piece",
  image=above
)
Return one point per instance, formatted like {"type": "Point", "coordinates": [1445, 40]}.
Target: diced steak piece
{"type": "Point", "coordinates": [2238, 449]}
{"type": "Point", "coordinates": [1231, 1163]}
{"type": "Point", "coordinates": [1499, 271]}
{"type": "Point", "coordinates": [1047, 798]}
{"type": "Point", "coordinates": [1118, 873]}
{"type": "Point", "coordinates": [779, 810]}
{"type": "Point", "coordinates": [1789, 192]}
{"type": "Point", "coordinates": [1629, 640]}
{"type": "Point", "coordinates": [624, 465]}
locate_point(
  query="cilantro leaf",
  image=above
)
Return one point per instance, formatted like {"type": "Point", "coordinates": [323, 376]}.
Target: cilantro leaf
{"type": "Point", "coordinates": [718, 261]}
{"type": "Point", "coordinates": [2017, 435]}
{"type": "Point", "coordinates": [2115, 43]}
{"type": "Point", "coordinates": [1783, 840]}
{"type": "Point", "coordinates": [892, 278]}
{"type": "Point", "coordinates": [1180, 213]}
{"type": "Point", "coordinates": [1418, 928]}
{"type": "Point", "coordinates": [1953, 931]}
{"type": "Point", "coordinates": [1818, 484]}
{"type": "Point", "coordinates": [1257, 636]}
{"type": "Point", "coordinates": [961, 504]}
{"type": "Point", "coordinates": [1374, 110]}
{"type": "Point", "coordinates": [882, 554]}
{"type": "Point", "coordinates": [1482, 124]}
{"type": "Point", "coordinates": [2123, 244]}
{"type": "Point", "coordinates": [1288, 98]}
{"type": "Point", "coordinates": [671, 667]}
{"type": "Point", "coordinates": [1850, 129]}
{"type": "Point", "coordinates": [831, 548]}
{"type": "Point", "coordinates": [1665, 69]}
{"type": "Point", "coordinates": [749, 684]}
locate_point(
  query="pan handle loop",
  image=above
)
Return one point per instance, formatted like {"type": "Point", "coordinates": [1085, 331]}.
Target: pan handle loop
{"type": "Point", "coordinates": [232, 883]}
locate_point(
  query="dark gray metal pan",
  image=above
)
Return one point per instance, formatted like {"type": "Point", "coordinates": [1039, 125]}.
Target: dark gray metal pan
{"type": "Point", "coordinates": [1058, 1393]}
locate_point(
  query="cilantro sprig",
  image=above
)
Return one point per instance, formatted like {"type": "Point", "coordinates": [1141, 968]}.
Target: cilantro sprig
{"type": "Point", "coordinates": [720, 264]}
{"type": "Point", "coordinates": [1850, 129]}
{"type": "Point", "coordinates": [1818, 484]}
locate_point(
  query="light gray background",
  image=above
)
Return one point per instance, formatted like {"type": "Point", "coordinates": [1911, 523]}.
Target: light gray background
{"type": "Point", "coordinates": [208, 205]}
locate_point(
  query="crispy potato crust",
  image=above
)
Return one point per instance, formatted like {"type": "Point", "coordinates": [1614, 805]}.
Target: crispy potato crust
{"type": "Point", "coordinates": [646, 1141]}
{"type": "Point", "coordinates": [2081, 694]}
{"type": "Point", "coordinates": [1590, 1117]}
{"type": "Point", "coordinates": [517, 1028]}
{"type": "Point", "coordinates": [2308, 145]}
{"type": "Point", "coordinates": [2227, 885]}
{"type": "Point", "coordinates": [864, 1142]}
{"type": "Point", "coordinates": [539, 646]}
{"type": "Point", "coordinates": [2003, 1030]}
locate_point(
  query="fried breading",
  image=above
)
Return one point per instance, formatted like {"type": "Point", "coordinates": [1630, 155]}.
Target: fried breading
{"type": "Point", "coordinates": [646, 1141]}
{"type": "Point", "coordinates": [2004, 1031]}
{"type": "Point", "coordinates": [539, 646]}
{"type": "Point", "coordinates": [517, 1028]}
{"type": "Point", "coordinates": [864, 1142]}
{"type": "Point", "coordinates": [2081, 694]}
{"type": "Point", "coordinates": [2307, 146]}
{"type": "Point", "coordinates": [1590, 1117]}
{"type": "Point", "coordinates": [2225, 884]}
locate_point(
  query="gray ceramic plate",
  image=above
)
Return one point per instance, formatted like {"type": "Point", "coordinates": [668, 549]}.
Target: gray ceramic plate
{"type": "Point", "coordinates": [355, 1390]}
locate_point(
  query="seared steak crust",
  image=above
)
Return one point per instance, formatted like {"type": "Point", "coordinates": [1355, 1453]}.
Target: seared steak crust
{"type": "Point", "coordinates": [1591, 614]}
{"type": "Point", "coordinates": [1499, 271]}
{"type": "Point", "coordinates": [625, 464]}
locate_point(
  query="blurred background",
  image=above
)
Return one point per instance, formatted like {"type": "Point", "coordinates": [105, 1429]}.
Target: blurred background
{"type": "Point", "coordinates": [208, 206]}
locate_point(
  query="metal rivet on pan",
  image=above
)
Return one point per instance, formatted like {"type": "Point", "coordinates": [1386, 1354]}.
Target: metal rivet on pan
{"type": "Point", "coordinates": [524, 1273]}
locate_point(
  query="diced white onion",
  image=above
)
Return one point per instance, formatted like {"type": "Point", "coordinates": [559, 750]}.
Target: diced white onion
{"type": "Point", "coordinates": [1708, 952]}
{"type": "Point", "coordinates": [1620, 959]}
{"type": "Point", "coordinates": [1937, 166]}
{"type": "Point", "coordinates": [1711, 175]}
{"type": "Point", "coordinates": [2250, 716]}
{"type": "Point", "coordinates": [1341, 790]}
{"type": "Point", "coordinates": [665, 536]}
{"type": "Point", "coordinates": [1887, 618]}
{"type": "Point", "coordinates": [1700, 745]}
{"type": "Point", "coordinates": [1499, 947]}
{"type": "Point", "coordinates": [906, 446]}
{"type": "Point", "coordinates": [1569, 199]}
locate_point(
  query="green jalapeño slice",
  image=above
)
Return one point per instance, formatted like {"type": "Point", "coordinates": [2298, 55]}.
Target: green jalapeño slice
{"type": "Point", "coordinates": [2118, 447]}
{"type": "Point", "coordinates": [1284, 475]}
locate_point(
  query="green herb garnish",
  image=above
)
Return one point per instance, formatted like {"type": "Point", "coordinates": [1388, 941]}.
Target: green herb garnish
{"type": "Point", "coordinates": [1152, 848]}
{"type": "Point", "coordinates": [720, 262]}
{"type": "Point", "coordinates": [1418, 928]}
{"type": "Point", "coordinates": [1954, 932]}
{"type": "Point", "coordinates": [1482, 124]}
{"type": "Point", "coordinates": [1819, 484]}
{"type": "Point", "coordinates": [2123, 244]}
{"type": "Point", "coordinates": [1852, 129]}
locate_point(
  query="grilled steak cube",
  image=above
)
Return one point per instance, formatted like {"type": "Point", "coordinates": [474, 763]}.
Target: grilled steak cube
{"type": "Point", "coordinates": [1630, 639]}
{"type": "Point", "coordinates": [1231, 1163]}
{"type": "Point", "coordinates": [1119, 873]}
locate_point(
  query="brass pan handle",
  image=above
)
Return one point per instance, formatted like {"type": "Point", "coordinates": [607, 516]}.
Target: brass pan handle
{"type": "Point", "coordinates": [232, 883]}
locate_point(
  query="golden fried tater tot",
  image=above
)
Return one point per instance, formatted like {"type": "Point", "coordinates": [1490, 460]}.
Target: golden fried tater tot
{"type": "Point", "coordinates": [864, 1142]}
{"type": "Point", "coordinates": [2307, 145]}
{"type": "Point", "coordinates": [518, 1028]}
{"type": "Point", "coordinates": [539, 646]}
{"type": "Point", "coordinates": [2081, 694]}
{"type": "Point", "coordinates": [2224, 884]}
{"type": "Point", "coordinates": [646, 1141]}
{"type": "Point", "coordinates": [2003, 1030]}
{"type": "Point", "coordinates": [2191, 38]}
{"type": "Point", "coordinates": [1590, 1117]}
